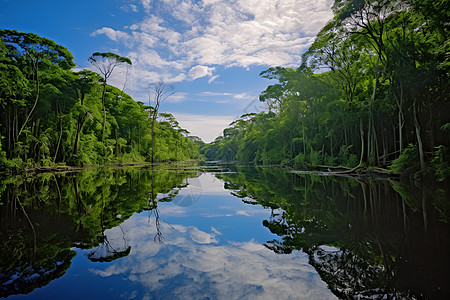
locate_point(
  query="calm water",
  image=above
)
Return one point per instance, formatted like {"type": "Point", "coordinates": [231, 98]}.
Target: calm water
{"type": "Point", "coordinates": [234, 233]}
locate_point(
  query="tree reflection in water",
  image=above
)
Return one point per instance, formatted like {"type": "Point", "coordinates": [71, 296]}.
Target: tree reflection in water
{"type": "Point", "coordinates": [108, 251]}
{"type": "Point", "coordinates": [43, 216]}
{"type": "Point", "coordinates": [366, 238]}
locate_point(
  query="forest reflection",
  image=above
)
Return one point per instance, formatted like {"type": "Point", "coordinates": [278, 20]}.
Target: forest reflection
{"type": "Point", "coordinates": [367, 238]}
{"type": "Point", "coordinates": [43, 216]}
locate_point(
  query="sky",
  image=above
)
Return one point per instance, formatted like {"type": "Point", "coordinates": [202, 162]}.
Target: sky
{"type": "Point", "coordinates": [211, 51]}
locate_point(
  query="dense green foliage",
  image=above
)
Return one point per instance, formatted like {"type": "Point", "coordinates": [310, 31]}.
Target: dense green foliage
{"type": "Point", "coordinates": [51, 115]}
{"type": "Point", "coordinates": [375, 80]}
{"type": "Point", "coordinates": [367, 239]}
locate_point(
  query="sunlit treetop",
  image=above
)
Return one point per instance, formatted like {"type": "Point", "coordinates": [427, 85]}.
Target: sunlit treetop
{"type": "Point", "coordinates": [36, 48]}
{"type": "Point", "coordinates": [96, 56]}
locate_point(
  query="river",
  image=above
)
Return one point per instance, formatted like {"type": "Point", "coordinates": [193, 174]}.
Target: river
{"type": "Point", "coordinates": [221, 232]}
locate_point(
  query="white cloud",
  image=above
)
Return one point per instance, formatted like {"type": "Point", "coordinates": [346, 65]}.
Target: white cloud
{"type": "Point", "coordinates": [242, 213]}
{"type": "Point", "coordinates": [207, 127]}
{"type": "Point", "coordinates": [183, 40]}
{"type": "Point", "coordinates": [202, 237]}
{"type": "Point", "coordinates": [194, 36]}
{"type": "Point", "coordinates": [213, 78]}
{"type": "Point", "coordinates": [146, 5]}
{"type": "Point", "coordinates": [243, 96]}
{"type": "Point", "coordinates": [130, 7]}
{"type": "Point", "coordinates": [215, 94]}
{"type": "Point", "coordinates": [200, 71]}
{"type": "Point", "coordinates": [112, 34]}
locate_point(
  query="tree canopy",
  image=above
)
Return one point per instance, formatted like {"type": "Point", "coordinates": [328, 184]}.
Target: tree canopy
{"type": "Point", "coordinates": [371, 91]}
{"type": "Point", "coordinates": [52, 115]}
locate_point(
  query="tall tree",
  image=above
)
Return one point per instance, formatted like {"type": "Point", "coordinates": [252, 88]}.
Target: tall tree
{"type": "Point", "coordinates": [105, 63]}
{"type": "Point", "coordinates": [35, 51]}
{"type": "Point", "coordinates": [84, 84]}
{"type": "Point", "coordinates": [157, 94]}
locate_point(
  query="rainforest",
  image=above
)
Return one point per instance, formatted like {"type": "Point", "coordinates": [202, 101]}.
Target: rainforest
{"type": "Point", "coordinates": [336, 189]}
{"type": "Point", "coordinates": [371, 92]}
{"type": "Point", "coordinates": [51, 115]}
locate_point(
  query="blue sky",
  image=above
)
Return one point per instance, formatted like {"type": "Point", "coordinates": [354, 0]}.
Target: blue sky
{"type": "Point", "coordinates": [212, 51]}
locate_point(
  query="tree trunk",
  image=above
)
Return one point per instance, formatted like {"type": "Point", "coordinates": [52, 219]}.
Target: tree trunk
{"type": "Point", "coordinates": [104, 111]}
{"type": "Point", "coordinates": [361, 131]}
{"type": "Point", "coordinates": [400, 119]}
{"type": "Point", "coordinates": [419, 138]}
{"type": "Point", "coordinates": [8, 121]}
{"type": "Point", "coordinates": [153, 137]}
{"type": "Point", "coordinates": [80, 123]}
{"type": "Point", "coordinates": [35, 67]}
{"type": "Point", "coordinates": [59, 140]}
{"type": "Point", "coordinates": [371, 127]}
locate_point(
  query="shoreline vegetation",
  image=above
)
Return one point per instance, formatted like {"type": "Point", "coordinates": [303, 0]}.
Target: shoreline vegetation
{"type": "Point", "coordinates": [52, 116]}
{"type": "Point", "coordinates": [370, 97]}
{"type": "Point", "coordinates": [220, 166]}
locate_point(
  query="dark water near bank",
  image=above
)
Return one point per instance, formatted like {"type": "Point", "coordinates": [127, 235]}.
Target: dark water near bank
{"type": "Point", "coordinates": [202, 233]}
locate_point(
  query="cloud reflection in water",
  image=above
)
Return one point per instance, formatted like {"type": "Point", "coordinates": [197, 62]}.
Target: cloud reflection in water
{"type": "Point", "coordinates": [197, 264]}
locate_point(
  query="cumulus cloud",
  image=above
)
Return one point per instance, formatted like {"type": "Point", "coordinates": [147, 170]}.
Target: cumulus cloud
{"type": "Point", "coordinates": [112, 34]}
{"type": "Point", "coordinates": [187, 37]}
{"type": "Point", "coordinates": [184, 40]}
{"type": "Point", "coordinates": [200, 71]}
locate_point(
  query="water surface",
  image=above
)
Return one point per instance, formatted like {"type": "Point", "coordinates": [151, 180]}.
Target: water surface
{"type": "Point", "coordinates": [138, 233]}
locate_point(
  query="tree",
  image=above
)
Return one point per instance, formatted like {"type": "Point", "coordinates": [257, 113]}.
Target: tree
{"type": "Point", "coordinates": [34, 50]}
{"type": "Point", "coordinates": [157, 94]}
{"type": "Point", "coordinates": [84, 84]}
{"type": "Point", "coordinates": [105, 63]}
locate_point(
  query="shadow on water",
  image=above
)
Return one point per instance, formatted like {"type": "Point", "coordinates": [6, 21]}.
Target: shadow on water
{"type": "Point", "coordinates": [376, 239]}
{"type": "Point", "coordinates": [44, 216]}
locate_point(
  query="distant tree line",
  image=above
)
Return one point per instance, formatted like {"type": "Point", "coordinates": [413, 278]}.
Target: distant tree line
{"type": "Point", "coordinates": [371, 91]}
{"type": "Point", "coordinates": [51, 115]}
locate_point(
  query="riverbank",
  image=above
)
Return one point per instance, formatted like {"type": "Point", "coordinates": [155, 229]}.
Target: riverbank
{"type": "Point", "coordinates": [190, 165]}
{"type": "Point", "coordinates": [346, 171]}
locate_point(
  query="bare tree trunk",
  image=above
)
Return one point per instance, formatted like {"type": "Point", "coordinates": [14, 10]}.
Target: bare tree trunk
{"type": "Point", "coordinates": [371, 127]}
{"type": "Point", "coordinates": [35, 67]}
{"type": "Point", "coordinates": [153, 137]}
{"type": "Point", "coordinates": [59, 140]}
{"type": "Point", "coordinates": [78, 134]}
{"type": "Point", "coordinates": [400, 118]}
{"type": "Point", "coordinates": [104, 111]}
{"type": "Point", "coordinates": [419, 138]}
{"type": "Point", "coordinates": [361, 130]}
{"type": "Point", "coordinates": [8, 120]}
{"type": "Point", "coordinates": [161, 92]}
{"type": "Point", "coordinates": [424, 208]}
